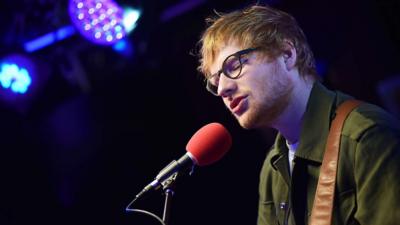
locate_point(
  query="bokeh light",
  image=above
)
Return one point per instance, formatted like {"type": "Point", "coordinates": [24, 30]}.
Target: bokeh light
{"type": "Point", "coordinates": [100, 21]}
{"type": "Point", "coordinates": [14, 77]}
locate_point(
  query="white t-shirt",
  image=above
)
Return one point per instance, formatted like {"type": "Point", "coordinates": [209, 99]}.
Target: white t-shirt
{"type": "Point", "coordinates": [292, 149]}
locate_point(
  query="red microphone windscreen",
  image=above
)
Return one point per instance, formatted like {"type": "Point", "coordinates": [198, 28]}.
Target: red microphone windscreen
{"type": "Point", "coordinates": [209, 144]}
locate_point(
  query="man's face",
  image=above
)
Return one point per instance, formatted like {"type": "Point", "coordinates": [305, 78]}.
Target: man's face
{"type": "Point", "coordinates": [262, 91]}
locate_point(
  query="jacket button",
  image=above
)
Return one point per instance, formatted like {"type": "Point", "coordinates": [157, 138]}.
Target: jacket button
{"type": "Point", "coordinates": [283, 205]}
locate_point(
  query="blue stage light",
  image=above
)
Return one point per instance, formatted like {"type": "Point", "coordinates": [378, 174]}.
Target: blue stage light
{"type": "Point", "coordinates": [15, 78]}
{"type": "Point", "coordinates": [120, 46]}
{"type": "Point", "coordinates": [49, 38]}
{"type": "Point", "coordinates": [22, 77]}
{"type": "Point", "coordinates": [124, 47]}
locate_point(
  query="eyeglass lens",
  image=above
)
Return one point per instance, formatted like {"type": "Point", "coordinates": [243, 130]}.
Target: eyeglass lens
{"type": "Point", "coordinates": [231, 67]}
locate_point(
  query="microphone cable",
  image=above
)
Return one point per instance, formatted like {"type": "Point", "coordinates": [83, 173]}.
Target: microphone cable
{"type": "Point", "coordinates": [145, 212]}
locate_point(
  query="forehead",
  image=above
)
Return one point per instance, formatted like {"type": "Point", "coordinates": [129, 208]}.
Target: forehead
{"type": "Point", "coordinates": [221, 55]}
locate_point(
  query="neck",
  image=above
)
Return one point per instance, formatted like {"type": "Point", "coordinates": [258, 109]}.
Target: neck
{"type": "Point", "coordinates": [290, 121]}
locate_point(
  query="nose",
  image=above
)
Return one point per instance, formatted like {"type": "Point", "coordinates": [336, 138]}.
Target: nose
{"type": "Point", "coordinates": [226, 86]}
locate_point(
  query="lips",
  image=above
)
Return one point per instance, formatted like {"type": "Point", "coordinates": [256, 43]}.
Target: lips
{"type": "Point", "coordinates": [235, 105]}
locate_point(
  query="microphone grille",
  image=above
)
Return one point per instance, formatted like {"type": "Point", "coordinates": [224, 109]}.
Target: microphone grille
{"type": "Point", "coordinates": [209, 144]}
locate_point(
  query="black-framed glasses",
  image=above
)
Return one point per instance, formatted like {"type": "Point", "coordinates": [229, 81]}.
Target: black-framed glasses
{"type": "Point", "coordinates": [231, 68]}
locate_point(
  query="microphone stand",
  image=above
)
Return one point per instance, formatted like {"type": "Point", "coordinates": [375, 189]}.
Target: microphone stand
{"type": "Point", "coordinates": [168, 187]}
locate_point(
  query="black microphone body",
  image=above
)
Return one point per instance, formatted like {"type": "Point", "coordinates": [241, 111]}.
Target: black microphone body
{"type": "Point", "coordinates": [186, 161]}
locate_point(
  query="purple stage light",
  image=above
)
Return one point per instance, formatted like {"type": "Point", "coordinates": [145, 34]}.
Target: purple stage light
{"type": "Point", "coordinates": [100, 21]}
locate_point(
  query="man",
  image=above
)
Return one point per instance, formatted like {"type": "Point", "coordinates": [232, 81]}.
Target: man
{"type": "Point", "coordinates": [258, 61]}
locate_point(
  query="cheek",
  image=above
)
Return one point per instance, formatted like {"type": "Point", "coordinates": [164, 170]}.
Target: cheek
{"type": "Point", "coordinates": [261, 84]}
{"type": "Point", "coordinates": [269, 82]}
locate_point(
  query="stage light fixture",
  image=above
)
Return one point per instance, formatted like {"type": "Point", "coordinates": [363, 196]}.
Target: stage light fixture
{"type": "Point", "coordinates": [49, 38]}
{"type": "Point", "coordinates": [21, 78]}
{"type": "Point", "coordinates": [103, 22]}
{"type": "Point", "coordinates": [100, 21]}
{"type": "Point", "coordinates": [16, 72]}
{"type": "Point", "coordinates": [15, 78]}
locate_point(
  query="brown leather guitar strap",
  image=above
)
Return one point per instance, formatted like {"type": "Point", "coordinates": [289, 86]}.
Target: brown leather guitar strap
{"type": "Point", "coordinates": [321, 213]}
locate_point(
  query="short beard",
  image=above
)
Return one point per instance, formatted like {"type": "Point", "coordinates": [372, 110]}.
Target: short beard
{"type": "Point", "coordinates": [265, 114]}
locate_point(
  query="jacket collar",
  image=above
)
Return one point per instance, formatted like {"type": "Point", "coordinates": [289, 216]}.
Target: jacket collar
{"type": "Point", "coordinates": [279, 158]}
{"type": "Point", "coordinates": [315, 129]}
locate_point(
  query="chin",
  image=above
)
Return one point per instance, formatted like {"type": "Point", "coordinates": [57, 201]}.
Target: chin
{"type": "Point", "coordinates": [246, 126]}
{"type": "Point", "coordinates": [246, 122]}
{"type": "Point", "coordinates": [255, 119]}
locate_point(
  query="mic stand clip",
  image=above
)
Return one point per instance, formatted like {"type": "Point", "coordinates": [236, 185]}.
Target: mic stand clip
{"type": "Point", "coordinates": [168, 187]}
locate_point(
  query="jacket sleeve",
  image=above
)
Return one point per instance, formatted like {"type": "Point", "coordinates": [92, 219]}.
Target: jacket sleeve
{"type": "Point", "coordinates": [377, 176]}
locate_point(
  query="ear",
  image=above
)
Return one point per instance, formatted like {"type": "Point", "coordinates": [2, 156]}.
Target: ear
{"type": "Point", "coordinates": [289, 55]}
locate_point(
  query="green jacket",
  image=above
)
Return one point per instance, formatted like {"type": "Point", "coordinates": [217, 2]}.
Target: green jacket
{"type": "Point", "coordinates": [368, 176]}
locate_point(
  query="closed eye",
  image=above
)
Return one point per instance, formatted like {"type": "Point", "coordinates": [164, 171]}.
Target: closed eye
{"type": "Point", "coordinates": [231, 66]}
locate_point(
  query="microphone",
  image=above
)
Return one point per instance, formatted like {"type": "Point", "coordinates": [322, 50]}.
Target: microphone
{"type": "Point", "coordinates": [208, 145]}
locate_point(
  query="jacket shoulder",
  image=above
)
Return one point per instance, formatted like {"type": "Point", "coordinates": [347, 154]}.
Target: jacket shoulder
{"type": "Point", "coordinates": [366, 117]}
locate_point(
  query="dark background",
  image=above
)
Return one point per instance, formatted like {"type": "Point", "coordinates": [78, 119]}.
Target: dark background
{"type": "Point", "coordinates": [102, 124]}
